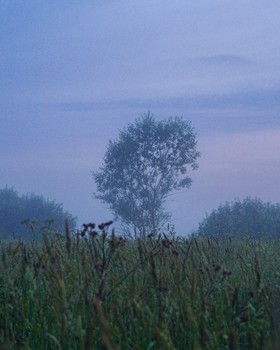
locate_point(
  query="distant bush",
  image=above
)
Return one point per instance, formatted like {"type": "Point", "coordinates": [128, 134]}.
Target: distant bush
{"type": "Point", "coordinates": [19, 215]}
{"type": "Point", "coordinates": [250, 217]}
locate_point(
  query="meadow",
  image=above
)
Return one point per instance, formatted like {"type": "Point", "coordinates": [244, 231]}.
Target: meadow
{"type": "Point", "coordinates": [97, 290]}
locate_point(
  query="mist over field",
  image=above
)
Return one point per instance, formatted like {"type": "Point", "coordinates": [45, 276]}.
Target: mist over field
{"type": "Point", "coordinates": [166, 115]}
{"type": "Point", "coordinates": [74, 75]}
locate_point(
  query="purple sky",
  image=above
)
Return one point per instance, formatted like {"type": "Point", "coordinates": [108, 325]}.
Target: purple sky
{"type": "Point", "coordinates": [73, 74]}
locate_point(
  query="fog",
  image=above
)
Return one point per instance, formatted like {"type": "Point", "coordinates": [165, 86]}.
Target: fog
{"type": "Point", "coordinates": [74, 74]}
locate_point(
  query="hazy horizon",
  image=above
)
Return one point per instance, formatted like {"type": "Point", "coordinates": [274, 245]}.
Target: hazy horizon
{"type": "Point", "coordinates": [74, 74]}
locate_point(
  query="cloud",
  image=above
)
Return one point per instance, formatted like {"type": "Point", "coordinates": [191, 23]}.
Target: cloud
{"type": "Point", "coordinates": [234, 61]}
{"type": "Point", "coordinates": [67, 53]}
{"type": "Point", "coordinates": [258, 99]}
{"type": "Point", "coordinates": [225, 59]}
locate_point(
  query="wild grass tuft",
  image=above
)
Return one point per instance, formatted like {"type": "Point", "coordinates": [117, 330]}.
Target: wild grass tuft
{"type": "Point", "coordinates": [96, 290]}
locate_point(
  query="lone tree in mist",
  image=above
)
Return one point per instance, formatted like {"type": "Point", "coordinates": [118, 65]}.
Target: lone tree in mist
{"type": "Point", "coordinates": [149, 160]}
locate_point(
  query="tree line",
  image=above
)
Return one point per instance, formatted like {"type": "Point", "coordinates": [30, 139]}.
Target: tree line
{"type": "Point", "coordinates": [20, 215]}
{"type": "Point", "coordinates": [250, 217]}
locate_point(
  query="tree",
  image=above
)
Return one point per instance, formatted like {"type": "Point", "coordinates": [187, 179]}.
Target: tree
{"type": "Point", "coordinates": [15, 209]}
{"type": "Point", "coordinates": [149, 160]}
{"type": "Point", "coordinates": [250, 217]}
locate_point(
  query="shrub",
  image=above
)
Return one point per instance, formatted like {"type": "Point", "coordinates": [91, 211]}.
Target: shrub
{"type": "Point", "coordinates": [33, 210]}
{"type": "Point", "coordinates": [250, 217]}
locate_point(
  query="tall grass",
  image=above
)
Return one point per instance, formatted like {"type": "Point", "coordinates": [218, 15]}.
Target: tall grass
{"type": "Point", "coordinates": [95, 290]}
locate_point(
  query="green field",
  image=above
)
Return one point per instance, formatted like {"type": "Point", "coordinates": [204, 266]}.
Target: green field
{"type": "Point", "coordinates": [99, 291]}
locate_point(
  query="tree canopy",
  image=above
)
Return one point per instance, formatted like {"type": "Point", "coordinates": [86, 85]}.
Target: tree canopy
{"type": "Point", "coordinates": [250, 217]}
{"type": "Point", "coordinates": [150, 159]}
{"type": "Point", "coordinates": [32, 209]}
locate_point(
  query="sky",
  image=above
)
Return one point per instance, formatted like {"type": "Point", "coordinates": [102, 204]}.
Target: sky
{"type": "Point", "coordinates": [73, 74]}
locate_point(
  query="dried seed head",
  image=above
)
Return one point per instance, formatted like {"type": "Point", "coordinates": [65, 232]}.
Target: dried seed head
{"type": "Point", "coordinates": [166, 243]}
{"type": "Point", "coordinates": [93, 233]}
{"type": "Point", "coordinates": [226, 272]}
{"type": "Point", "coordinates": [217, 268]}
{"type": "Point", "coordinates": [104, 225]}
{"type": "Point", "coordinates": [251, 294]}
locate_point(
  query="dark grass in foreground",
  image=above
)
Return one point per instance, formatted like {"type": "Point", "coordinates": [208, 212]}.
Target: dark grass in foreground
{"type": "Point", "coordinates": [98, 291]}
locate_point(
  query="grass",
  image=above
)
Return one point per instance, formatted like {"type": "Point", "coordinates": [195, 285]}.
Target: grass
{"type": "Point", "coordinates": [98, 291]}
